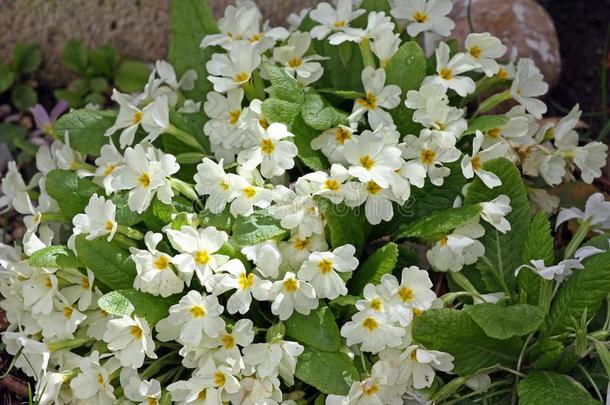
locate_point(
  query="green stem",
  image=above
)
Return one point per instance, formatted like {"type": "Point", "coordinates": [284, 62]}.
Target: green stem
{"type": "Point", "coordinates": [492, 102]}
{"type": "Point", "coordinates": [53, 217]}
{"type": "Point", "coordinates": [68, 344]}
{"type": "Point", "coordinates": [184, 188]}
{"type": "Point", "coordinates": [129, 232]}
{"type": "Point", "coordinates": [367, 53]}
{"type": "Point", "coordinates": [577, 239]}
{"type": "Point", "coordinates": [463, 282]}
{"type": "Point", "coordinates": [250, 91]}
{"type": "Point", "coordinates": [156, 365]}
{"type": "Point", "coordinates": [124, 241]}
{"type": "Point", "coordinates": [189, 157]}
{"type": "Point", "coordinates": [185, 137]}
{"type": "Point", "coordinates": [546, 295]}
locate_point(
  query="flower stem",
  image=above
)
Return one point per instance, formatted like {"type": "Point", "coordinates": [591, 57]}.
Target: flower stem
{"type": "Point", "coordinates": [130, 232]}
{"type": "Point", "coordinates": [367, 54]}
{"type": "Point", "coordinates": [184, 188]}
{"type": "Point", "coordinates": [546, 295]}
{"type": "Point", "coordinates": [492, 102]}
{"type": "Point", "coordinates": [185, 137]}
{"type": "Point", "coordinates": [463, 282]}
{"type": "Point", "coordinates": [68, 344]}
{"type": "Point", "coordinates": [577, 239]}
{"type": "Point", "coordinates": [53, 217]}
{"type": "Point", "coordinates": [190, 157]}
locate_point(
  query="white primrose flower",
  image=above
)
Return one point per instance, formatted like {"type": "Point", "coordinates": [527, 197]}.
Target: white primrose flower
{"type": "Point", "coordinates": [459, 248]}
{"type": "Point", "coordinates": [596, 213]}
{"type": "Point", "coordinates": [226, 347]}
{"type": "Point", "coordinates": [61, 323]}
{"type": "Point", "coordinates": [98, 220]}
{"type": "Point", "coordinates": [82, 289]}
{"type": "Point", "coordinates": [372, 331]}
{"type": "Point", "coordinates": [107, 163]}
{"type": "Point", "coordinates": [233, 69]}
{"type": "Point", "coordinates": [136, 390]}
{"type": "Point", "coordinates": [39, 292]}
{"type": "Point", "coordinates": [333, 186]}
{"type": "Point", "coordinates": [12, 185]}
{"type": "Point", "coordinates": [384, 46]}
{"type": "Point", "coordinates": [220, 378]}
{"type": "Point", "coordinates": [93, 383]}
{"type": "Point", "coordinates": [473, 164]}
{"type": "Point", "coordinates": [424, 15]}
{"type": "Point", "coordinates": [167, 75]}
{"type": "Point", "coordinates": [274, 154]}
{"type": "Point", "coordinates": [247, 196]}
{"type": "Point", "coordinates": [529, 84]}
{"type": "Point", "coordinates": [306, 69]}
{"type": "Point", "coordinates": [34, 355]}
{"type": "Point", "coordinates": [378, 98]}
{"type": "Point", "coordinates": [296, 249]}
{"type": "Point", "coordinates": [193, 392]}
{"type": "Point", "coordinates": [418, 365]}
{"type": "Point", "coordinates": [378, 23]}
{"type": "Point", "coordinates": [299, 213]}
{"type": "Point", "coordinates": [332, 19]}
{"type": "Point", "coordinates": [482, 50]}
{"type": "Point", "coordinates": [266, 256]}
{"type": "Point", "coordinates": [48, 388]}
{"type": "Point", "coordinates": [515, 131]}
{"type": "Point", "coordinates": [332, 142]}
{"type": "Point", "coordinates": [211, 180]}
{"type": "Point", "coordinates": [494, 212]}
{"type": "Point", "coordinates": [131, 340]}
{"type": "Point", "coordinates": [246, 286]}
{"type": "Point", "coordinates": [269, 359]}
{"type": "Point", "coordinates": [375, 299]}
{"type": "Point", "coordinates": [449, 69]}
{"type": "Point", "coordinates": [197, 252]}
{"type": "Point", "coordinates": [377, 201]}
{"type": "Point", "coordinates": [154, 272]}
{"type": "Point", "coordinates": [558, 272]}
{"type": "Point", "coordinates": [145, 174]}
{"type": "Point", "coordinates": [292, 294]}
{"type": "Point", "coordinates": [377, 389]}
{"type": "Point", "coordinates": [430, 96]}
{"type": "Point", "coordinates": [321, 268]}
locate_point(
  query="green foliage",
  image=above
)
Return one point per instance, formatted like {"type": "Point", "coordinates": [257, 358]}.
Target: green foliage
{"type": "Point", "coordinates": [329, 372]}
{"type": "Point", "coordinates": [344, 224]}
{"type": "Point", "coordinates": [131, 76]}
{"type": "Point", "coordinates": [130, 301]}
{"type": "Point", "coordinates": [435, 226]}
{"type": "Point", "coordinates": [538, 245]}
{"type": "Point", "coordinates": [15, 136]}
{"type": "Point", "coordinates": [27, 58]}
{"type": "Point", "coordinates": [276, 110]}
{"type": "Point", "coordinates": [379, 263]}
{"type": "Point", "coordinates": [503, 322]}
{"type": "Point", "coordinates": [257, 228]}
{"type": "Point", "coordinates": [485, 123]}
{"type": "Point", "coordinates": [284, 86]}
{"type": "Point", "coordinates": [548, 388]}
{"type": "Point", "coordinates": [76, 56]}
{"type": "Point", "coordinates": [320, 115]}
{"type": "Point", "coordinates": [303, 135]}
{"type": "Point", "coordinates": [222, 221]}
{"type": "Point", "coordinates": [86, 129]}
{"type": "Point", "coordinates": [318, 329]}
{"type": "Point", "coordinates": [71, 192]}
{"type": "Point", "coordinates": [7, 76]}
{"type": "Point", "coordinates": [53, 257]}
{"type": "Point", "coordinates": [23, 96]}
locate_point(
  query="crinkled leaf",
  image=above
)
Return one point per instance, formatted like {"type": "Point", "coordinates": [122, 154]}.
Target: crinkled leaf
{"type": "Point", "coordinates": [379, 263]}
{"type": "Point", "coordinates": [329, 372]}
{"type": "Point", "coordinates": [222, 221]}
{"type": "Point", "coordinates": [344, 224]}
{"type": "Point", "coordinates": [455, 332]}
{"type": "Point", "coordinates": [303, 135]}
{"type": "Point", "coordinates": [485, 123]}
{"type": "Point", "coordinates": [110, 263]}
{"type": "Point", "coordinates": [546, 353]}
{"type": "Point", "coordinates": [503, 322]}
{"type": "Point", "coordinates": [538, 245]}
{"type": "Point", "coordinates": [158, 214]}
{"type": "Point", "coordinates": [318, 329]}
{"type": "Point", "coordinates": [284, 86]}
{"type": "Point", "coordinates": [86, 129]}
{"type": "Point", "coordinates": [124, 215]}
{"type": "Point", "coordinates": [71, 192]}
{"type": "Point", "coordinates": [56, 256]}
{"type": "Point", "coordinates": [549, 388]}
{"type": "Point", "coordinates": [257, 228]}
{"type": "Point", "coordinates": [319, 115]}
{"type": "Point", "coordinates": [439, 224]}
{"type": "Point", "coordinates": [129, 301]}
{"type": "Point", "coordinates": [276, 110]}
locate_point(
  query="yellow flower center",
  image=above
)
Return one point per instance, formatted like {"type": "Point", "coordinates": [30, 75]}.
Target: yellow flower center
{"type": "Point", "coordinates": [476, 163]}
{"type": "Point", "coordinates": [370, 102]}
{"type": "Point", "coordinates": [109, 169]}
{"type": "Point", "coordinates": [137, 117]}
{"type": "Point", "coordinates": [494, 133]}
{"type": "Point", "coordinates": [342, 135]}
{"type": "Point", "coordinates": [326, 266]}
{"type": "Point", "coordinates": [371, 390]}
{"type": "Point", "coordinates": [414, 355]}
{"type": "Point", "coordinates": [373, 188]}
{"type": "Point", "coordinates": [144, 180]}
{"type": "Point", "coordinates": [109, 226]}
{"type": "Point", "coordinates": [502, 74]}
{"type": "Point", "coordinates": [136, 332]}
{"type": "Point", "coordinates": [224, 185]}
{"type": "Point", "coordinates": [332, 185]}
{"type": "Point", "coordinates": [228, 341]}
{"type": "Point", "coordinates": [376, 304]}
{"type": "Point", "coordinates": [162, 263]}
{"type": "Point", "coordinates": [405, 294]}
{"type": "Point", "coordinates": [202, 395]}
{"type": "Point", "coordinates": [340, 24]}
{"type": "Point", "coordinates": [219, 379]}
{"type": "Point", "coordinates": [301, 244]}
{"type": "Point", "coordinates": [242, 77]}
{"type": "Point", "coordinates": [370, 324]}
{"type": "Point", "coordinates": [367, 162]}
{"type": "Point", "coordinates": [295, 62]}
{"type": "Point", "coordinates": [256, 37]}
{"type": "Point", "coordinates": [197, 311]}
{"type": "Point", "coordinates": [84, 282]}
{"type": "Point", "coordinates": [475, 51]}
{"type": "Point", "coordinates": [443, 241]}
{"type": "Point", "coordinates": [263, 123]}
{"type": "Point", "coordinates": [202, 257]}
{"type": "Point", "coordinates": [249, 192]}
{"type": "Point", "coordinates": [267, 146]}
{"type": "Point", "coordinates": [234, 116]}
{"type": "Point", "coordinates": [68, 312]}
{"type": "Point", "coordinates": [48, 283]}
{"type": "Point", "coordinates": [152, 401]}
{"type": "Point", "coordinates": [100, 379]}
{"type": "Point", "coordinates": [420, 17]}
{"type": "Point", "coordinates": [427, 156]}
{"type": "Point", "coordinates": [446, 73]}
{"type": "Point", "coordinates": [291, 285]}
{"type": "Point", "coordinates": [245, 280]}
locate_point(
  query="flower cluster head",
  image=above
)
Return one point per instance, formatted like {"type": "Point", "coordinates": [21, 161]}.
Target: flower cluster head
{"type": "Point", "coordinates": [236, 234]}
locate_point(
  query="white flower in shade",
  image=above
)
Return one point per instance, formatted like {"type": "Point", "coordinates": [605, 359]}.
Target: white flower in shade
{"type": "Point", "coordinates": [473, 164]}
{"type": "Point", "coordinates": [529, 84]}
{"type": "Point", "coordinates": [220, 377]}
{"type": "Point", "coordinates": [412, 294]}
{"type": "Point", "coordinates": [541, 200]}
{"type": "Point", "coordinates": [332, 19]}
{"type": "Point", "coordinates": [167, 75]}
{"type": "Point", "coordinates": [155, 274]}
{"type": "Point", "coordinates": [61, 323]}
{"type": "Point", "coordinates": [211, 180]}
{"type": "Point", "coordinates": [495, 212]}
{"type": "Point", "coordinates": [246, 285]}
{"type": "Point", "coordinates": [98, 220]}
{"type": "Point", "coordinates": [266, 256]}
{"type": "Point", "coordinates": [558, 272]}
{"type": "Point", "coordinates": [418, 365]}
{"type": "Point", "coordinates": [459, 248]}
{"type": "Point", "coordinates": [427, 152]}
{"type": "Point", "coordinates": [197, 251]}
{"type": "Point", "coordinates": [39, 291]}
{"type": "Point", "coordinates": [12, 184]}
{"type": "Point", "coordinates": [596, 213]}
{"type": "Point", "coordinates": [107, 163]}
{"type": "Point", "coordinates": [321, 271]}
{"type": "Point", "coordinates": [306, 69]}
{"type": "Point", "coordinates": [269, 359]}
{"type": "Point", "coordinates": [247, 196]}
{"type": "Point", "coordinates": [378, 98]}
{"type": "Point", "coordinates": [131, 340]}
{"type": "Point", "coordinates": [299, 213]}
{"type": "Point", "coordinates": [449, 69]}
{"type": "Point", "coordinates": [377, 389]}
{"type": "Point", "coordinates": [233, 69]}
{"type": "Point", "coordinates": [430, 96]}
{"type": "Point", "coordinates": [93, 384]}
{"type": "Point", "coordinates": [274, 154]}
{"type": "Point", "coordinates": [48, 388]}
{"type": "Point", "coordinates": [31, 356]}
{"type": "Point", "coordinates": [371, 159]}
{"type": "Point", "coordinates": [372, 331]}
{"type": "Point", "coordinates": [378, 23]}
{"type": "Point", "coordinates": [425, 15]}
{"type": "Point", "coordinates": [193, 392]}
{"type": "Point", "coordinates": [136, 390]}
{"type": "Point", "coordinates": [145, 174]}
{"type": "Point", "coordinates": [516, 130]}
{"type": "Point", "coordinates": [195, 315]}
{"type": "Point", "coordinates": [82, 289]}
{"type": "Point", "coordinates": [332, 186]}
{"type": "Point", "coordinates": [128, 119]}
{"type": "Point", "coordinates": [296, 249]}
{"type": "Point", "coordinates": [377, 201]}
{"type": "Point", "coordinates": [155, 120]}
{"type": "Point", "coordinates": [332, 142]}
{"type": "Point", "coordinates": [375, 299]}
{"type": "Point", "coordinates": [291, 294]}
{"type": "Point", "coordinates": [385, 46]}
{"type": "Point", "coordinates": [482, 50]}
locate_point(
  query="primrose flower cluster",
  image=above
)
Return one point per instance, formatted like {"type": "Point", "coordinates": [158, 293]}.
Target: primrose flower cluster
{"type": "Point", "coordinates": [208, 251]}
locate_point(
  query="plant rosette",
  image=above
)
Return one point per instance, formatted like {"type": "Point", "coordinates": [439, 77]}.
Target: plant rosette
{"type": "Point", "coordinates": [235, 232]}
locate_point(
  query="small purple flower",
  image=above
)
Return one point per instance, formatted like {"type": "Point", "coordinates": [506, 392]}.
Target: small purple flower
{"type": "Point", "coordinates": [44, 120]}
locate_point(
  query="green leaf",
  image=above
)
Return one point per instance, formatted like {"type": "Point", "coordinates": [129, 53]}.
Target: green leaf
{"type": "Point", "coordinates": [7, 76]}
{"type": "Point", "coordinates": [158, 214]}
{"type": "Point", "coordinates": [485, 123]}
{"type": "Point", "coordinates": [222, 221]}
{"type": "Point", "coordinates": [284, 86]}
{"type": "Point", "coordinates": [318, 329]}
{"type": "Point", "coordinates": [124, 215]}
{"type": "Point", "coordinates": [538, 245]}
{"type": "Point", "coordinates": [131, 76]}
{"type": "Point", "coordinates": [503, 251]}
{"type": "Point", "coordinates": [54, 257]}
{"type": "Point", "coordinates": [75, 56]}
{"type": "Point", "coordinates": [342, 70]}
{"type": "Point", "coordinates": [27, 58]}
{"type": "Point", "coordinates": [74, 99]}
{"type": "Point", "coordinates": [191, 21]}
{"type": "Point", "coordinates": [99, 85]}
{"type": "Point", "coordinates": [455, 332]}
{"type": "Point", "coordinates": [344, 225]}
{"type": "Point", "coordinates": [86, 129]}
{"type": "Point", "coordinates": [71, 192]}
{"type": "Point", "coordinates": [103, 61]}
{"type": "Point", "coordinates": [129, 301]}
{"type": "Point", "coordinates": [329, 372]}
{"type": "Point", "coordinates": [318, 114]}
{"type": "Point", "coordinates": [257, 228]}
{"type": "Point", "coordinates": [16, 137]}
{"type": "Point", "coordinates": [439, 224]}
{"type": "Point", "coordinates": [23, 96]}
{"type": "Point", "coordinates": [303, 135]}
{"type": "Point", "coordinates": [111, 264]}
{"type": "Point", "coordinates": [345, 94]}
{"type": "Point", "coordinates": [503, 322]}
{"type": "Point", "coordinates": [583, 291]}
{"type": "Point", "coordinates": [548, 388]}
{"type": "Point", "coordinates": [276, 110]}
{"type": "Point", "coordinates": [379, 263]}
{"type": "Point", "coordinates": [546, 353]}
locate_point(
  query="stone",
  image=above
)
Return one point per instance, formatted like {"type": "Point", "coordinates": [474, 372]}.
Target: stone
{"type": "Point", "coordinates": [523, 24]}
